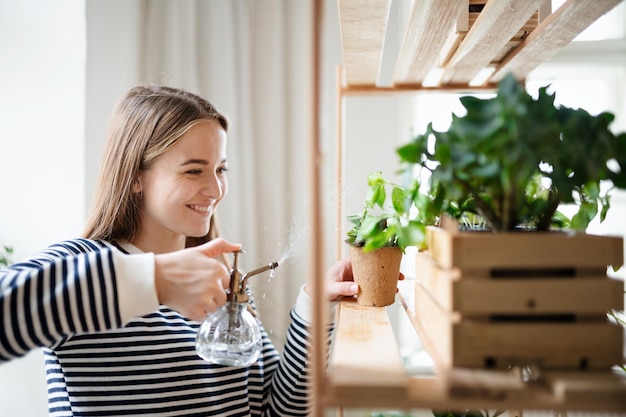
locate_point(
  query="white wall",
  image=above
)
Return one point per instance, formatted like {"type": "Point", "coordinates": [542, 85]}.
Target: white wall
{"type": "Point", "coordinates": [112, 68]}
{"type": "Point", "coordinates": [42, 111]}
{"type": "Point", "coordinates": [42, 80]}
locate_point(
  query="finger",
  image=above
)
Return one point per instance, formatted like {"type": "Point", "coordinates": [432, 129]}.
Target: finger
{"type": "Point", "coordinates": [224, 283]}
{"type": "Point", "coordinates": [213, 303]}
{"type": "Point", "coordinates": [210, 307]}
{"type": "Point", "coordinates": [349, 288]}
{"type": "Point", "coordinates": [217, 247]}
{"type": "Point", "coordinates": [218, 299]}
{"type": "Point", "coordinates": [218, 277]}
{"type": "Point", "coordinates": [338, 290]}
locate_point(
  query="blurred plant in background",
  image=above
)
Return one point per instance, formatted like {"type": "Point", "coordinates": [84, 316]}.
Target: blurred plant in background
{"type": "Point", "coordinates": [5, 256]}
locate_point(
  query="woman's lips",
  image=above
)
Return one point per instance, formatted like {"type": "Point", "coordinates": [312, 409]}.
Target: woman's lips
{"type": "Point", "coordinates": [200, 209]}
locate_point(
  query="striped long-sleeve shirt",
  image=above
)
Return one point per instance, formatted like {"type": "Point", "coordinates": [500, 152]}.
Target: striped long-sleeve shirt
{"type": "Point", "coordinates": [111, 350]}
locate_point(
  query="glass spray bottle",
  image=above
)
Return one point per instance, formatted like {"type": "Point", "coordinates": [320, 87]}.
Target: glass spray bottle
{"type": "Point", "coordinates": [231, 335]}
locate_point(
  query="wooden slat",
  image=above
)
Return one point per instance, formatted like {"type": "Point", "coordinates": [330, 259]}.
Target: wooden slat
{"type": "Point", "coordinates": [590, 387]}
{"type": "Point", "coordinates": [496, 25]}
{"type": "Point", "coordinates": [584, 345]}
{"type": "Point", "coordinates": [424, 37]}
{"type": "Point", "coordinates": [319, 350]}
{"type": "Point", "coordinates": [577, 296]}
{"type": "Point", "coordinates": [365, 345]}
{"type": "Point", "coordinates": [363, 29]}
{"type": "Point", "coordinates": [477, 250]}
{"type": "Point", "coordinates": [467, 19]}
{"type": "Point", "coordinates": [435, 328]}
{"type": "Point", "coordinates": [464, 21]}
{"type": "Point", "coordinates": [556, 390]}
{"type": "Point", "coordinates": [455, 342]}
{"type": "Point", "coordinates": [556, 31]}
{"type": "Point", "coordinates": [466, 381]}
{"type": "Point", "coordinates": [471, 389]}
{"type": "Point", "coordinates": [582, 296]}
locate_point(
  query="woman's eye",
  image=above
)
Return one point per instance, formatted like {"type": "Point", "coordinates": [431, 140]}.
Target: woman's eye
{"type": "Point", "coordinates": [222, 170]}
{"type": "Point", "coordinates": [194, 171]}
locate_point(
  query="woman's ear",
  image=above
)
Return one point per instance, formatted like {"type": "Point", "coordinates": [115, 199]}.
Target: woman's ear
{"type": "Point", "coordinates": [137, 188]}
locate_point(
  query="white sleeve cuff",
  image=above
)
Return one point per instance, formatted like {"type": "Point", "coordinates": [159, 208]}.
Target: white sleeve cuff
{"type": "Point", "coordinates": [304, 308]}
{"type": "Point", "coordinates": [135, 285]}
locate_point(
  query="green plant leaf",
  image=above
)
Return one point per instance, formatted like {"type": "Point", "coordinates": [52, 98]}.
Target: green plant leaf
{"type": "Point", "coordinates": [398, 198]}
{"type": "Point", "coordinates": [399, 224]}
{"type": "Point", "coordinates": [586, 212]}
{"type": "Point", "coordinates": [376, 196]}
{"type": "Point", "coordinates": [5, 256]}
{"type": "Point", "coordinates": [514, 159]}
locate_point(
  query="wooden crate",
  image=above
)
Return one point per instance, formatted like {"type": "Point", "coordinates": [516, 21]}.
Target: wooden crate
{"type": "Point", "coordinates": [491, 300]}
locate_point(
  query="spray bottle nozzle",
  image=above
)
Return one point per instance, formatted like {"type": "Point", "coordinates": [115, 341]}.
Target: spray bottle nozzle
{"type": "Point", "coordinates": [239, 281]}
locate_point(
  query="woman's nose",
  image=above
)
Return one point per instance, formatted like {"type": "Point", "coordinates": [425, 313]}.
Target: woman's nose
{"type": "Point", "coordinates": [213, 188]}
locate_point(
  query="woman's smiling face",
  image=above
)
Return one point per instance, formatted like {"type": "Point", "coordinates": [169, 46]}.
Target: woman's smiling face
{"type": "Point", "coordinates": [182, 187]}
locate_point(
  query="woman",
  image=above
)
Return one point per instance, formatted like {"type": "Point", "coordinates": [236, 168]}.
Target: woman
{"type": "Point", "coordinates": [117, 311]}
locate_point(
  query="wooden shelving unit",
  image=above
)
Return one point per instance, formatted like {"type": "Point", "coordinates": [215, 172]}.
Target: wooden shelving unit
{"type": "Point", "coordinates": [448, 45]}
{"type": "Point", "coordinates": [365, 370]}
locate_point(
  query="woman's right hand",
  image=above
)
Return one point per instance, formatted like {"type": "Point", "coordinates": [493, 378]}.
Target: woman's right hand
{"type": "Point", "coordinates": [191, 281]}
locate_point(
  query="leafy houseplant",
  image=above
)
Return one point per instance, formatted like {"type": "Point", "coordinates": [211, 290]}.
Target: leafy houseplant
{"type": "Point", "coordinates": [511, 161]}
{"type": "Point", "coordinates": [380, 225]}
{"type": "Point", "coordinates": [378, 238]}
{"type": "Point", "coordinates": [514, 159]}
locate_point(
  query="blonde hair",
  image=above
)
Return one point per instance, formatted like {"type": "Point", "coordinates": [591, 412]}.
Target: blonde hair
{"type": "Point", "coordinates": [146, 122]}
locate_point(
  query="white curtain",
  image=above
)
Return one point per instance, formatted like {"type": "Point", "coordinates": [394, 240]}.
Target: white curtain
{"type": "Point", "coordinates": [252, 60]}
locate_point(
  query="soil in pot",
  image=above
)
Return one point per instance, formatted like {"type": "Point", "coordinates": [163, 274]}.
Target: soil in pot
{"type": "Point", "coordinates": [377, 274]}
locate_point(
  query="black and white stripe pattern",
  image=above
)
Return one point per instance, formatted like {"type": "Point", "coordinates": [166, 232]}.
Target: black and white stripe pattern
{"type": "Point", "coordinates": [66, 300]}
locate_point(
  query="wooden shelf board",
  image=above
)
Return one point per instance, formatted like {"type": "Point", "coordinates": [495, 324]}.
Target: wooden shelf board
{"type": "Point", "coordinates": [605, 393]}
{"type": "Point", "coordinates": [363, 25]}
{"type": "Point", "coordinates": [552, 34]}
{"type": "Point", "coordinates": [497, 24]}
{"type": "Point", "coordinates": [365, 350]}
{"type": "Point", "coordinates": [365, 370]}
{"type": "Point", "coordinates": [424, 37]}
{"type": "Point", "coordinates": [506, 36]}
{"type": "Point", "coordinates": [372, 90]}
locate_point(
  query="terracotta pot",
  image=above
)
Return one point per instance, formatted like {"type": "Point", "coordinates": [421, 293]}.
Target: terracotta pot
{"type": "Point", "coordinates": [377, 274]}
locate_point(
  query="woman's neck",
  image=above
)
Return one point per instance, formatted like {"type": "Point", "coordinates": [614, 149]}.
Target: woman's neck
{"type": "Point", "coordinates": [159, 245]}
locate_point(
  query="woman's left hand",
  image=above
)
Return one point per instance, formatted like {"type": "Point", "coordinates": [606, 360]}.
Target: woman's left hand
{"type": "Point", "coordinates": [339, 281]}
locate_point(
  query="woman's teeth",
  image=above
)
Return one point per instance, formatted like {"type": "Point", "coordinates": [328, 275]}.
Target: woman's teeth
{"type": "Point", "coordinates": [204, 209]}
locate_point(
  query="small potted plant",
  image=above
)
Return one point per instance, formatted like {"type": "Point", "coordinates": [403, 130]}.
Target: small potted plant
{"type": "Point", "coordinates": [512, 161]}
{"type": "Point", "coordinates": [379, 237]}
